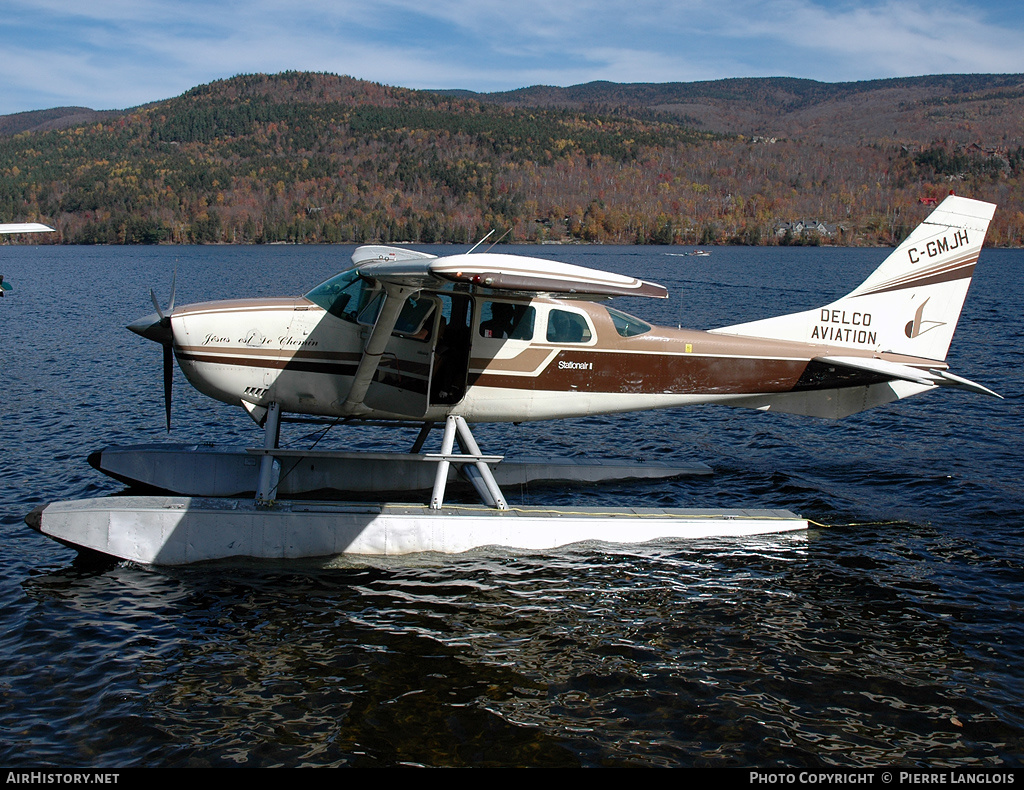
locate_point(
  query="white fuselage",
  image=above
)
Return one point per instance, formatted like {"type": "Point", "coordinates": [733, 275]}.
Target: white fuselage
{"type": "Point", "coordinates": [294, 352]}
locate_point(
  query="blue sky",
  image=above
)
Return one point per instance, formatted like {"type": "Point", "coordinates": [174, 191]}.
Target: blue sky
{"type": "Point", "coordinates": [114, 54]}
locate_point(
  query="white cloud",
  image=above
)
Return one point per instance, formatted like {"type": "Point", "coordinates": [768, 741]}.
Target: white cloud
{"type": "Point", "coordinates": [118, 53]}
{"type": "Point", "coordinates": [889, 38]}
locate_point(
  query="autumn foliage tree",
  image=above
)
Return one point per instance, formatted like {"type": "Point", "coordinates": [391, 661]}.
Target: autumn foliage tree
{"type": "Point", "coordinates": [318, 158]}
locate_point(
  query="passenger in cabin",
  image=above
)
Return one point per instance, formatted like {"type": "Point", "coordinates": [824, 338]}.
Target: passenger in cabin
{"type": "Point", "coordinates": [512, 321]}
{"type": "Point", "coordinates": [565, 327]}
{"type": "Point", "coordinates": [500, 322]}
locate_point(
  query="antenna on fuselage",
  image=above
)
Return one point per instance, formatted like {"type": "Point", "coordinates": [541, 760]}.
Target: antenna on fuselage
{"type": "Point", "coordinates": [503, 235]}
{"type": "Point", "coordinates": [481, 240]}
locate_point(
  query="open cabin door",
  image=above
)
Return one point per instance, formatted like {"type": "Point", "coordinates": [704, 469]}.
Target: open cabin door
{"type": "Point", "coordinates": [451, 352]}
{"type": "Point", "coordinates": [426, 359]}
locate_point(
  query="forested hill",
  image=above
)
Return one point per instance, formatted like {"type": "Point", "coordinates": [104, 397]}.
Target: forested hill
{"type": "Point", "coordinates": [322, 158]}
{"type": "Point", "coordinates": [961, 108]}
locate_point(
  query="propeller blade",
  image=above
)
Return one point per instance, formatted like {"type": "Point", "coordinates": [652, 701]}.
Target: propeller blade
{"type": "Point", "coordinates": [156, 304]}
{"type": "Point", "coordinates": [165, 317]}
{"type": "Point", "coordinates": [168, 381]}
{"type": "Point", "coordinates": [174, 281]}
{"type": "Point", "coordinates": [158, 327]}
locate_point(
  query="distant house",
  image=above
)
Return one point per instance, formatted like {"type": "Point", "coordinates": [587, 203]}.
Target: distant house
{"type": "Point", "coordinates": [978, 150]}
{"type": "Point", "coordinates": [802, 226]}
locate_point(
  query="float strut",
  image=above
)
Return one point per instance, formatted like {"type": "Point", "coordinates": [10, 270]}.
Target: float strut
{"type": "Point", "coordinates": [421, 437]}
{"type": "Point", "coordinates": [480, 473]}
{"type": "Point", "coordinates": [494, 498]}
{"type": "Point", "coordinates": [270, 469]}
{"type": "Point", "coordinates": [441, 476]}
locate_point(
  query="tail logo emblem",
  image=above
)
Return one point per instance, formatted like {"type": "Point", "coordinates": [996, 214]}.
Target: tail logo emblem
{"type": "Point", "coordinates": [919, 326]}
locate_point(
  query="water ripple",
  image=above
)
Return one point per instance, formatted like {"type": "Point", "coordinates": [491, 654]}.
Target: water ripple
{"type": "Point", "coordinates": [890, 635]}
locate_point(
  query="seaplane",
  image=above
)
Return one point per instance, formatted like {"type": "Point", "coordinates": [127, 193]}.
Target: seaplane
{"type": "Point", "coordinates": [405, 337]}
{"type": "Point", "coordinates": [19, 227]}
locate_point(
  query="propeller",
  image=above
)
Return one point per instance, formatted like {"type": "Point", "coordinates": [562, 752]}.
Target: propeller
{"type": "Point", "coordinates": [157, 327]}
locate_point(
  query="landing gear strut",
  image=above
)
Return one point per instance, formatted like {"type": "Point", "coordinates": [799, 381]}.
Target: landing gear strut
{"type": "Point", "coordinates": [471, 463]}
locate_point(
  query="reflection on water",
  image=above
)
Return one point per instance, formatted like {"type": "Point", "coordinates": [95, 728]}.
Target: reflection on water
{"type": "Point", "coordinates": [767, 651]}
{"type": "Point", "coordinates": [893, 637]}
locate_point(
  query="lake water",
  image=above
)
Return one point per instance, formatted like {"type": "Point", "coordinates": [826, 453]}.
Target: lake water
{"type": "Point", "coordinates": [890, 635]}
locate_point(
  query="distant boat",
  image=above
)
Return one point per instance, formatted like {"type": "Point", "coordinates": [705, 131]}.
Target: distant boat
{"type": "Point", "coordinates": [694, 253]}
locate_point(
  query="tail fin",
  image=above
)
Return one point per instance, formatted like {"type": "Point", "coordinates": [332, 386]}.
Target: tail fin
{"type": "Point", "coordinates": [910, 304]}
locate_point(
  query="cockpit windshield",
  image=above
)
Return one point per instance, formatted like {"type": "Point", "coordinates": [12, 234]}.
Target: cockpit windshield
{"type": "Point", "coordinates": [343, 296]}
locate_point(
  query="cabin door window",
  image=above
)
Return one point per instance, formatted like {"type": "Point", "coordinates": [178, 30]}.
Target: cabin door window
{"type": "Point", "coordinates": [401, 384]}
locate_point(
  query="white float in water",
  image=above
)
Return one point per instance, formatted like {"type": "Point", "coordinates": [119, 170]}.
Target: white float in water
{"type": "Point", "coordinates": [161, 530]}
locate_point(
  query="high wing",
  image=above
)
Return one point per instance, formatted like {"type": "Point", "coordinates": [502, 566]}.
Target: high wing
{"type": "Point", "coordinates": [20, 227]}
{"type": "Point", "coordinates": [498, 272]}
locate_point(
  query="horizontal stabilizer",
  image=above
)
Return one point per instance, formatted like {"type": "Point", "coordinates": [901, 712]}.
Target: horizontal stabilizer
{"type": "Point", "coordinates": [952, 380]}
{"type": "Point", "coordinates": [933, 377]}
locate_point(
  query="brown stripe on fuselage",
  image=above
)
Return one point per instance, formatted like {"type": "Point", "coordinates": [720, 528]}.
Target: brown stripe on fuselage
{"type": "Point", "coordinates": [615, 372]}
{"type": "Point", "coordinates": [267, 353]}
{"type": "Point", "coordinates": [235, 305]}
{"type": "Point", "coordinates": [526, 362]}
{"type": "Point", "coordinates": [327, 363]}
{"type": "Point", "coordinates": [661, 361]}
{"type": "Point", "coordinates": [682, 374]}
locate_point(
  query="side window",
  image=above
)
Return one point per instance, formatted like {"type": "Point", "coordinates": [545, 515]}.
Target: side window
{"type": "Point", "coordinates": [566, 327]}
{"type": "Point", "coordinates": [368, 315]}
{"type": "Point", "coordinates": [507, 320]}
